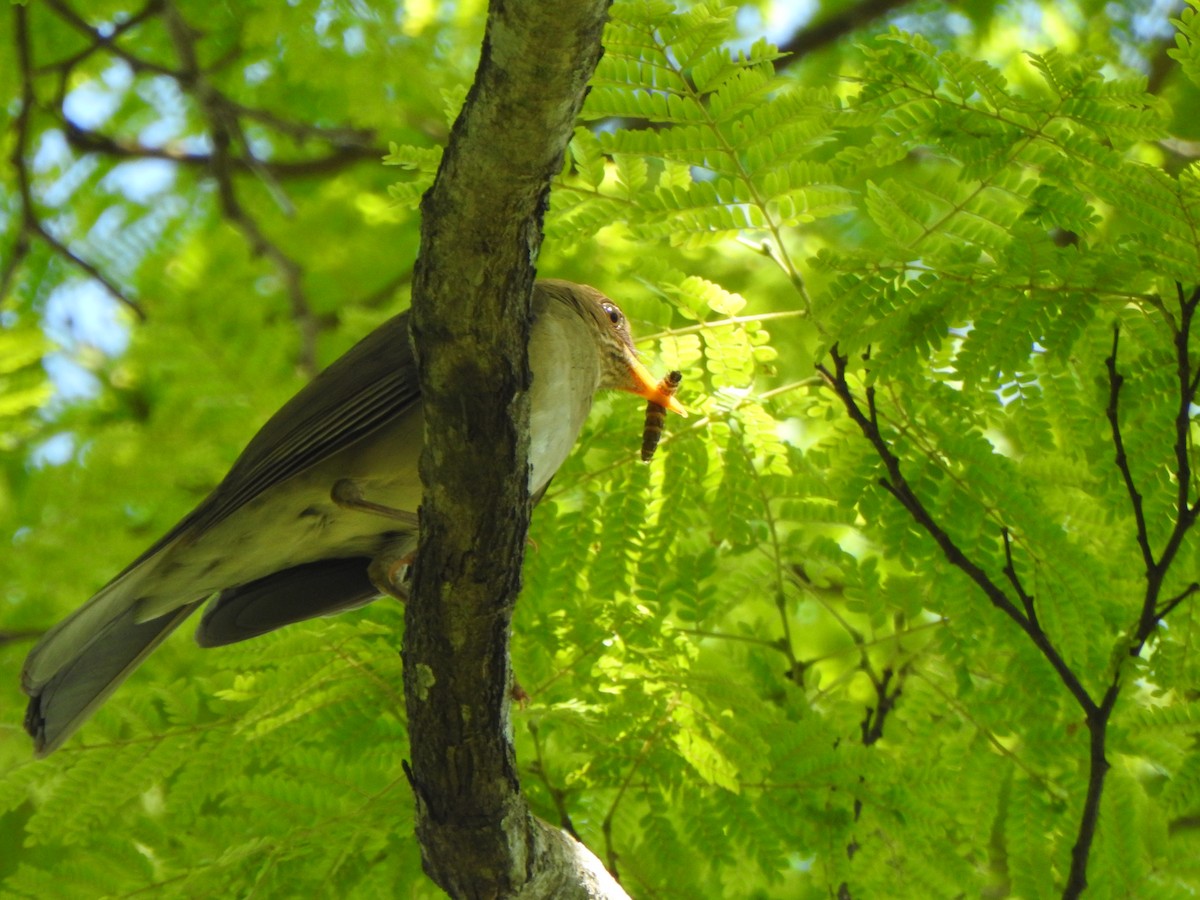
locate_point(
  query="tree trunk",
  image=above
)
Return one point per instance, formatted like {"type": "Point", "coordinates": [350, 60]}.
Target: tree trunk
{"type": "Point", "coordinates": [481, 233]}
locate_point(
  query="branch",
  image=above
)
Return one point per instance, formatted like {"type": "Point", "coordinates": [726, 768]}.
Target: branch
{"type": "Point", "coordinates": [1167, 608]}
{"type": "Point", "coordinates": [1097, 714]}
{"type": "Point", "coordinates": [1098, 767]}
{"type": "Point", "coordinates": [299, 131]}
{"type": "Point", "coordinates": [811, 38]}
{"type": "Point", "coordinates": [610, 850]}
{"type": "Point", "coordinates": [346, 146]}
{"type": "Point", "coordinates": [897, 485]}
{"type": "Point", "coordinates": [481, 232]}
{"type": "Point", "coordinates": [1010, 572]}
{"type": "Point", "coordinates": [339, 156]}
{"type": "Point", "coordinates": [31, 225]}
{"type": "Point", "coordinates": [885, 702]}
{"type": "Point", "coordinates": [558, 796]}
{"type": "Point", "coordinates": [1155, 569]}
{"type": "Point", "coordinates": [12, 262]}
{"type": "Point", "coordinates": [99, 41]}
{"type": "Point", "coordinates": [1152, 612]}
{"type": "Point", "coordinates": [1115, 380]}
{"type": "Point", "coordinates": [16, 635]}
{"type": "Point", "coordinates": [224, 127]}
{"type": "Point", "coordinates": [1185, 511]}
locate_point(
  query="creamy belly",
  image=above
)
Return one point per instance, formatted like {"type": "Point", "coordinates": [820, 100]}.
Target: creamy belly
{"type": "Point", "coordinates": [561, 392]}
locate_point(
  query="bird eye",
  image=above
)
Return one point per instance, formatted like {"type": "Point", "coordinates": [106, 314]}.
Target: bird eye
{"type": "Point", "coordinates": [614, 314]}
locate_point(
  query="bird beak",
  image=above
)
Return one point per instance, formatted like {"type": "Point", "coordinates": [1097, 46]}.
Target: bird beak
{"type": "Point", "coordinates": [642, 383]}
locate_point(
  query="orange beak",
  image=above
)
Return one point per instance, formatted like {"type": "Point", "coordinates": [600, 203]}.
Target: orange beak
{"type": "Point", "coordinates": [642, 383]}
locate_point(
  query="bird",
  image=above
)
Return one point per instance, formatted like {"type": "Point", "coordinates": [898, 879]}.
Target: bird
{"type": "Point", "coordinates": [318, 514]}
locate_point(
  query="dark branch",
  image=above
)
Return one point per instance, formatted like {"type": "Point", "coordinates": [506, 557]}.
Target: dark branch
{"type": "Point", "coordinates": [339, 157]}
{"type": "Point", "coordinates": [1010, 572]}
{"type": "Point", "coordinates": [224, 128]}
{"type": "Point", "coordinates": [1097, 714]}
{"type": "Point", "coordinates": [1097, 723]}
{"type": "Point", "coordinates": [815, 37]}
{"type": "Point", "coordinates": [885, 701]}
{"type": "Point", "coordinates": [1155, 569]}
{"type": "Point", "coordinates": [348, 142]}
{"type": "Point", "coordinates": [1169, 606]}
{"type": "Point", "coordinates": [1186, 511]}
{"type": "Point", "coordinates": [108, 42]}
{"type": "Point", "coordinates": [31, 225]}
{"type": "Point", "coordinates": [1115, 381]}
{"type": "Point", "coordinates": [897, 485]}
{"type": "Point", "coordinates": [1187, 395]}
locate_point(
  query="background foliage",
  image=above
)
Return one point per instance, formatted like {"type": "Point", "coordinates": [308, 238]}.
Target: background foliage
{"type": "Point", "coordinates": [753, 670]}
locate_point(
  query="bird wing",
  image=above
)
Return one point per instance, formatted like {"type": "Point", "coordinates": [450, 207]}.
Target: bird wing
{"type": "Point", "coordinates": [371, 384]}
{"type": "Point", "coordinates": [83, 658]}
{"type": "Point", "coordinates": [322, 588]}
{"type": "Point", "coordinates": [63, 698]}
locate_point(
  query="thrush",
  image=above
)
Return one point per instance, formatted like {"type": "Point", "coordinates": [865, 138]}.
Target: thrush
{"type": "Point", "coordinates": [319, 511]}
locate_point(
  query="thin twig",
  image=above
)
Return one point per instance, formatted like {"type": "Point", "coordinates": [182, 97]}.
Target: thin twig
{"type": "Point", "coordinates": [1001, 747]}
{"type": "Point", "coordinates": [341, 136]}
{"type": "Point", "coordinates": [12, 262]}
{"type": "Point", "coordinates": [222, 122]}
{"type": "Point", "coordinates": [795, 666]}
{"type": "Point", "coordinates": [813, 37]}
{"type": "Point", "coordinates": [610, 851]}
{"type": "Point", "coordinates": [339, 157]}
{"type": "Point", "coordinates": [738, 638]}
{"type": "Point", "coordinates": [16, 635]}
{"type": "Point", "coordinates": [31, 225]}
{"type": "Point", "coordinates": [107, 42]}
{"type": "Point", "coordinates": [558, 795]}
{"type": "Point", "coordinates": [1115, 381]}
{"type": "Point", "coordinates": [1010, 572]}
{"type": "Point", "coordinates": [1167, 608]}
{"type": "Point", "coordinates": [885, 701]}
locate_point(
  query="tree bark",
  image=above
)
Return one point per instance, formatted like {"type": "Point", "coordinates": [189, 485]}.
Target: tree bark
{"type": "Point", "coordinates": [481, 232]}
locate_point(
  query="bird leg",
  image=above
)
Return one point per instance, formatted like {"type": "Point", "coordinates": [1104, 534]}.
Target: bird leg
{"type": "Point", "coordinates": [348, 494]}
{"type": "Point", "coordinates": [388, 568]}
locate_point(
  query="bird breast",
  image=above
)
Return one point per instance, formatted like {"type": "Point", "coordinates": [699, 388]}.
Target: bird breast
{"type": "Point", "coordinates": [566, 375]}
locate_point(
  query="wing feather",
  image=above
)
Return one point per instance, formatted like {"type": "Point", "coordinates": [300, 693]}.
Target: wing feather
{"type": "Point", "coordinates": [371, 384]}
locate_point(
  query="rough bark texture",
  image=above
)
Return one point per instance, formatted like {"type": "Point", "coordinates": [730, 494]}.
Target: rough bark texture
{"type": "Point", "coordinates": [472, 284]}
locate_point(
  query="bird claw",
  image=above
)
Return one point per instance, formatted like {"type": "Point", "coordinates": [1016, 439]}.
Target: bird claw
{"type": "Point", "coordinates": [388, 571]}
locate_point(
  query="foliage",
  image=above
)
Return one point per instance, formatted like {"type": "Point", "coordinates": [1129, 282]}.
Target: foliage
{"type": "Point", "coordinates": [754, 670]}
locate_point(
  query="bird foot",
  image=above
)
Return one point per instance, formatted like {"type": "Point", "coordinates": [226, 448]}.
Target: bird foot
{"type": "Point", "coordinates": [389, 574]}
{"type": "Point", "coordinates": [519, 695]}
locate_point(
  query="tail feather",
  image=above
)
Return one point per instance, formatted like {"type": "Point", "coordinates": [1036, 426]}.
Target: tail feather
{"type": "Point", "coordinates": [292, 595]}
{"type": "Point", "coordinates": [74, 634]}
{"type": "Point", "coordinates": [82, 660]}
{"type": "Point", "coordinates": [60, 702]}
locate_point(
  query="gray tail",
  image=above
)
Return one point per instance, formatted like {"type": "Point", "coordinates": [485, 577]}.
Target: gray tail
{"type": "Point", "coordinates": [77, 665]}
{"type": "Point", "coordinates": [62, 702]}
{"type": "Point", "coordinates": [292, 595]}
